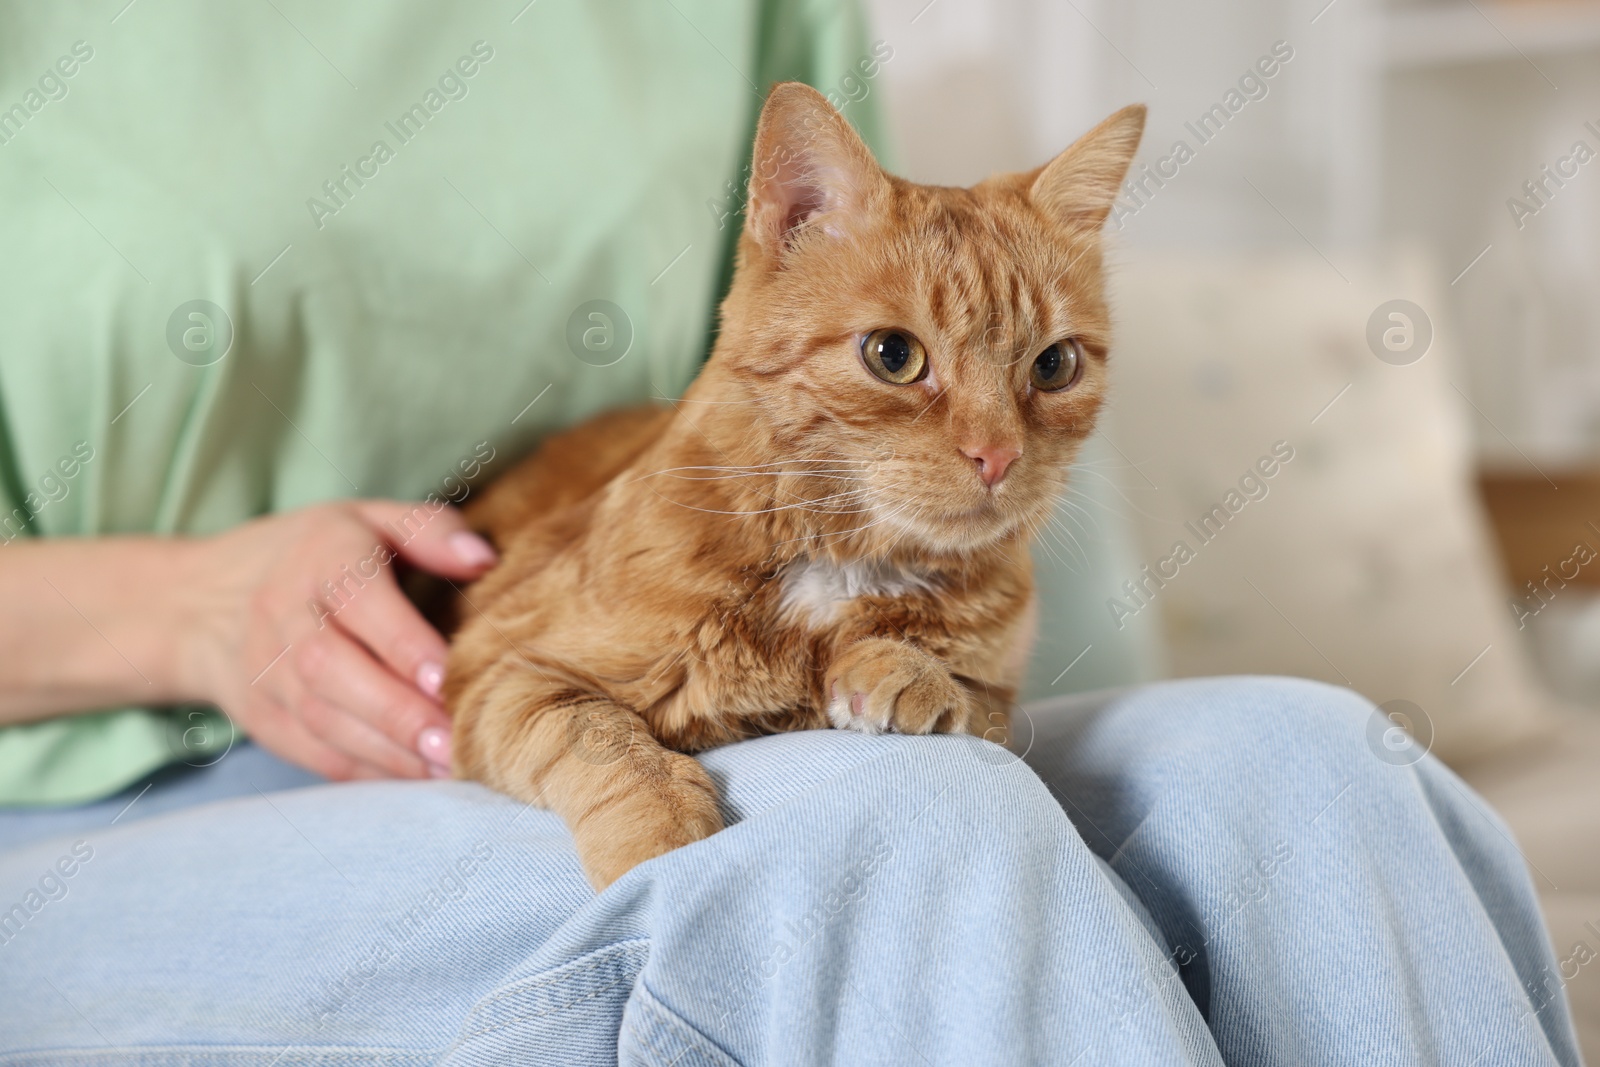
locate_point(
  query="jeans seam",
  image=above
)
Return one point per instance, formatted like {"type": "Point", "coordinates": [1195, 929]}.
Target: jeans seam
{"type": "Point", "coordinates": [599, 958]}
{"type": "Point", "coordinates": [663, 1017]}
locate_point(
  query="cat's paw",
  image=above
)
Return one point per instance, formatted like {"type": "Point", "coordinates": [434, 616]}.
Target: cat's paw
{"type": "Point", "coordinates": [880, 685]}
{"type": "Point", "coordinates": [671, 804]}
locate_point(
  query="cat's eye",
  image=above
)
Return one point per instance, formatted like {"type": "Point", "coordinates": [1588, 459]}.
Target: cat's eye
{"type": "Point", "coordinates": [1057, 366]}
{"type": "Point", "coordinates": [895, 356]}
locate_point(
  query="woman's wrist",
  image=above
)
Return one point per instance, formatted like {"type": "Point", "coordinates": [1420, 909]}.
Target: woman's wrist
{"type": "Point", "coordinates": [102, 622]}
{"type": "Point", "coordinates": [188, 589]}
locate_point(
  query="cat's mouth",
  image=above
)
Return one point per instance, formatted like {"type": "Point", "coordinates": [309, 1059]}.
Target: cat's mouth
{"type": "Point", "coordinates": [983, 510]}
{"type": "Point", "coordinates": [948, 529]}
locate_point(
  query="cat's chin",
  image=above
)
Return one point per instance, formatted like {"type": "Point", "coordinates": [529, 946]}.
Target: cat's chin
{"type": "Point", "coordinates": [955, 532]}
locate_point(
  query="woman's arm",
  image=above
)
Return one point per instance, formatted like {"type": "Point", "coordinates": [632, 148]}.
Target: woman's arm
{"type": "Point", "coordinates": [96, 623]}
{"type": "Point", "coordinates": [293, 624]}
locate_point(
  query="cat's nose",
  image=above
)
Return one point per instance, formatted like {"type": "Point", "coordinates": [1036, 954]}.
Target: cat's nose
{"type": "Point", "coordinates": [992, 461]}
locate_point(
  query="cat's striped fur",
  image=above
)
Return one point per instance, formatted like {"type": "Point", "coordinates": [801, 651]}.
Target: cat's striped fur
{"type": "Point", "coordinates": [796, 543]}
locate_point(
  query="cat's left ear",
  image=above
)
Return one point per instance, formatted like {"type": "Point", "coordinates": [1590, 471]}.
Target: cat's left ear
{"type": "Point", "coordinates": [809, 166]}
{"type": "Point", "coordinates": [1080, 185]}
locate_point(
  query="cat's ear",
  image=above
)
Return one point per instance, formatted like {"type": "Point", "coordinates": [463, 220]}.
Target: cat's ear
{"type": "Point", "coordinates": [1080, 185]}
{"type": "Point", "coordinates": [809, 166]}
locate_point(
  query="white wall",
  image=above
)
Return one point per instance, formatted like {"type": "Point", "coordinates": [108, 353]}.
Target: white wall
{"type": "Point", "coordinates": [980, 85]}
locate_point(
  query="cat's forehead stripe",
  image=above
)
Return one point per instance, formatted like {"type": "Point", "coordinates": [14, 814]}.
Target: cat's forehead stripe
{"type": "Point", "coordinates": [939, 305]}
{"type": "Point", "coordinates": [981, 270]}
{"type": "Point", "coordinates": [974, 296]}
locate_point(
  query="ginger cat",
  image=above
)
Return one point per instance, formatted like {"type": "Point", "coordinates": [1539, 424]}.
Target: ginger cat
{"type": "Point", "coordinates": [831, 528]}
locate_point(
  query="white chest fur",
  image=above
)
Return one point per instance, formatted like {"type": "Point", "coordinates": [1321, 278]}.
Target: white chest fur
{"type": "Point", "coordinates": [818, 589]}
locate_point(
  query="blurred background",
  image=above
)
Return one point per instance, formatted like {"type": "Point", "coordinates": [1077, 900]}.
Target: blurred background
{"type": "Point", "coordinates": [1368, 234]}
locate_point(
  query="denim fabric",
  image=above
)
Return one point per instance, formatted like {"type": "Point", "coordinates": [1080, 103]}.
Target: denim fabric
{"type": "Point", "coordinates": [1206, 872]}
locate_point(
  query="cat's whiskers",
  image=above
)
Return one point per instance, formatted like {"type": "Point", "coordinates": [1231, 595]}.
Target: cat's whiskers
{"type": "Point", "coordinates": [1058, 523]}
{"type": "Point", "coordinates": [1068, 541]}
{"type": "Point", "coordinates": [772, 463]}
{"type": "Point", "coordinates": [812, 504]}
{"type": "Point", "coordinates": [1045, 545]}
{"type": "Point", "coordinates": [895, 514]}
{"type": "Point", "coordinates": [838, 536]}
{"type": "Point", "coordinates": [778, 494]}
{"type": "Point", "coordinates": [851, 475]}
{"type": "Point", "coordinates": [839, 469]}
{"type": "Point", "coordinates": [797, 506]}
{"type": "Point", "coordinates": [1077, 514]}
{"type": "Point", "coordinates": [852, 496]}
{"type": "Point", "coordinates": [1116, 487]}
{"type": "Point", "coordinates": [904, 532]}
{"type": "Point", "coordinates": [837, 475]}
{"type": "Point", "coordinates": [1054, 525]}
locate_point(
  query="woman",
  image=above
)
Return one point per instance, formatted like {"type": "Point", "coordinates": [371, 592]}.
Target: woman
{"type": "Point", "coordinates": [315, 260]}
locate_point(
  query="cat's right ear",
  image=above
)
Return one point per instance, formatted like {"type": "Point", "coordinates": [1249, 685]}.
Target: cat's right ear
{"type": "Point", "coordinates": [1080, 185]}
{"type": "Point", "coordinates": [810, 169]}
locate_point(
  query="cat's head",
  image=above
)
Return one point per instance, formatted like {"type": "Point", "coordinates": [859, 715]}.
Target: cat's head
{"type": "Point", "coordinates": [935, 355]}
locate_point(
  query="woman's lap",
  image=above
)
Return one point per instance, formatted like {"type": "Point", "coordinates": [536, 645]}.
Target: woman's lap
{"type": "Point", "coordinates": [1317, 884]}
{"type": "Point", "coordinates": [878, 899]}
{"type": "Point", "coordinates": [242, 771]}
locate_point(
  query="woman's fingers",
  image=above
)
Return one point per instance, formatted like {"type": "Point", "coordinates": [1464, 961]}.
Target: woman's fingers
{"type": "Point", "coordinates": [381, 617]}
{"type": "Point", "coordinates": [356, 704]}
{"type": "Point", "coordinates": [357, 696]}
{"type": "Point", "coordinates": [281, 732]}
{"type": "Point", "coordinates": [437, 541]}
{"type": "Point", "coordinates": [362, 744]}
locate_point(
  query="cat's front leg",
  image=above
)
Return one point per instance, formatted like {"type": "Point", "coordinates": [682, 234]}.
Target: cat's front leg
{"type": "Point", "coordinates": [625, 797]}
{"type": "Point", "coordinates": [886, 685]}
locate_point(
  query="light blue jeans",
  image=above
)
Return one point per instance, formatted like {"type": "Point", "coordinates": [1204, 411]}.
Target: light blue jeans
{"type": "Point", "coordinates": [1234, 871]}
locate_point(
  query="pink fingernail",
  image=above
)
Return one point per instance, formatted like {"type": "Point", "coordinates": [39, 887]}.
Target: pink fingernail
{"type": "Point", "coordinates": [471, 549]}
{"type": "Point", "coordinates": [430, 678]}
{"type": "Point", "coordinates": [433, 744]}
{"type": "Point", "coordinates": [436, 771]}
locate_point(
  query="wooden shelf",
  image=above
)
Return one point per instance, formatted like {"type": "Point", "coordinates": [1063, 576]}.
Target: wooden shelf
{"type": "Point", "coordinates": [1539, 526]}
{"type": "Point", "coordinates": [1458, 32]}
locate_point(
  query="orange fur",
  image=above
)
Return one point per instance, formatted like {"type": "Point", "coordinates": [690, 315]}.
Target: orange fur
{"type": "Point", "coordinates": [797, 542]}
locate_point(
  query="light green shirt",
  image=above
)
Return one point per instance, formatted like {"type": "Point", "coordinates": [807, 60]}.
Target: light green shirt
{"type": "Point", "coordinates": [263, 255]}
{"type": "Point", "coordinates": [397, 215]}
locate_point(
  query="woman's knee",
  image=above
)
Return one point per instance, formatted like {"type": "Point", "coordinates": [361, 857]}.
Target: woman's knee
{"type": "Point", "coordinates": [923, 790]}
{"type": "Point", "coordinates": [1260, 734]}
{"type": "Point", "coordinates": [1265, 714]}
{"type": "Point", "coordinates": [961, 770]}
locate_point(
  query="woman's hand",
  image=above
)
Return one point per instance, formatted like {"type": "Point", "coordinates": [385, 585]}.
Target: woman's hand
{"type": "Point", "coordinates": [304, 638]}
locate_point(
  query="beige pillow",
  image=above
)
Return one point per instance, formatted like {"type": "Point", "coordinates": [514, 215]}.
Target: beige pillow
{"type": "Point", "coordinates": [1325, 496]}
